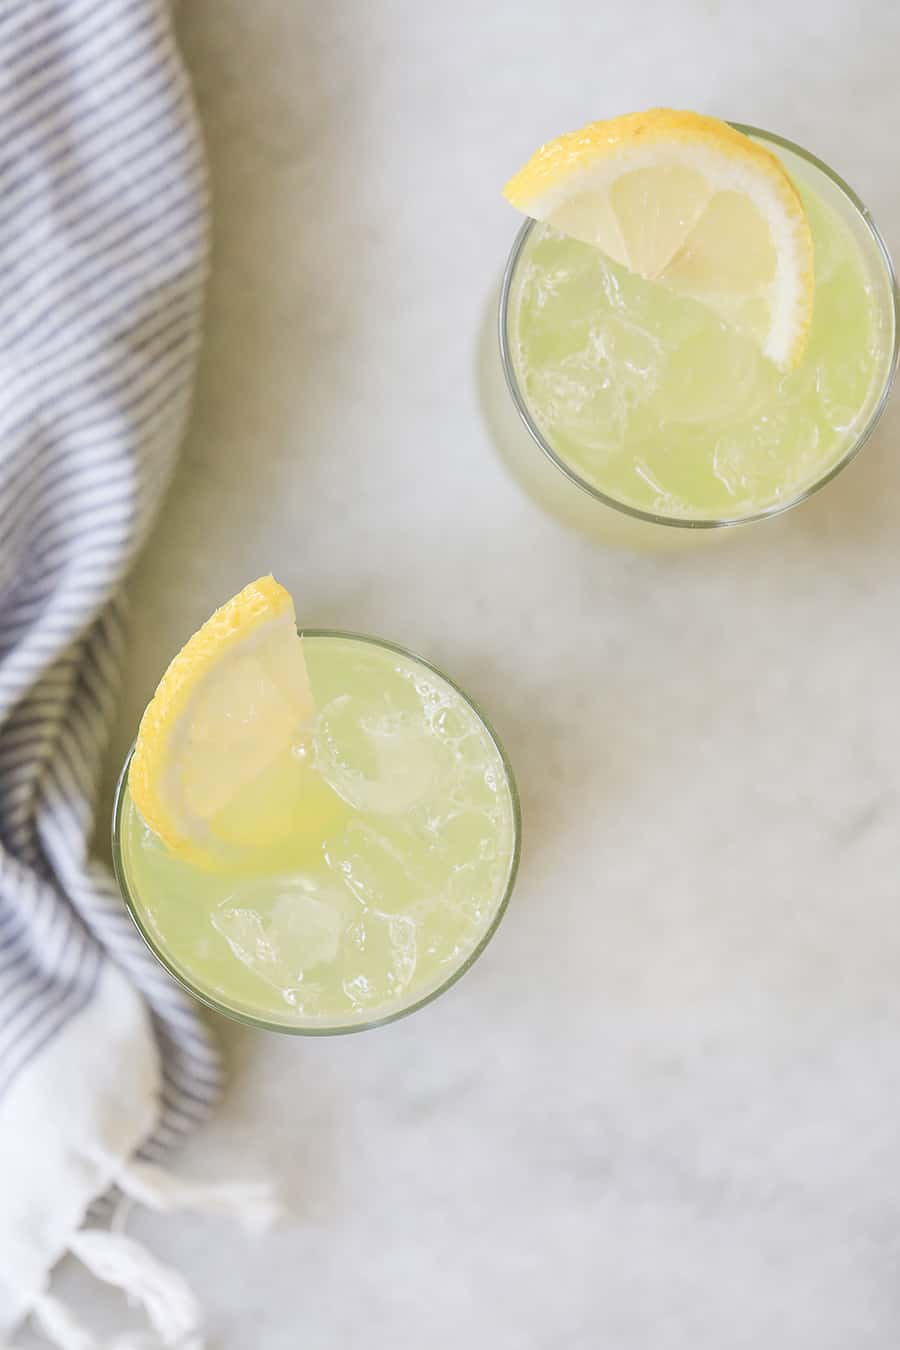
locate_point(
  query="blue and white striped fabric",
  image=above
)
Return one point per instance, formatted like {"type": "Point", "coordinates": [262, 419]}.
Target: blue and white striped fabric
{"type": "Point", "coordinates": [103, 250]}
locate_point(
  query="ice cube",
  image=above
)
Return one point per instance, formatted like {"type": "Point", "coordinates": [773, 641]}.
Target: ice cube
{"type": "Point", "coordinates": [467, 836]}
{"type": "Point", "coordinates": [705, 382]}
{"type": "Point", "coordinates": [377, 756]}
{"type": "Point", "coordinates": [280, 928]}
{"type": "Point", "coordinates": [386, 865]}
{"type": "Point", "coordinates": [580, 401]}
{"type": "Point", "coordinates": [378, 959]}
{"type": "Point", "coordinates": [479, 782]}
{"type": "Point", "coordinates": [453, 924]}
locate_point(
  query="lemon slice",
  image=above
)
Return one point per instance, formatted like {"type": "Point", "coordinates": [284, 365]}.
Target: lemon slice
{"type": "Point", "coordinates": [232, 702]}
{"type": "Point", "coordinates": [690, 202]}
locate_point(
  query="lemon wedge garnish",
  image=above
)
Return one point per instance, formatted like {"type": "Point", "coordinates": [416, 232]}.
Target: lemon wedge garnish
{"type": "Point", "coordinates": [230, 705]}
{"type": "Point", "coordinates": [690, 202]}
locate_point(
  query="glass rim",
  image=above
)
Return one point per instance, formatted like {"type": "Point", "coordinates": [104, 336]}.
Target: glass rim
{"type": "Point", "coordinates": [713, 522]}
{"type": "Point", "coordinates": [344, 1028]}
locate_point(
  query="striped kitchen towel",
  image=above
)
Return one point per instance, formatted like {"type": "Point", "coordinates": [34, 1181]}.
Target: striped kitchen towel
{"type": "Point", "coordinates": [104, 1063]}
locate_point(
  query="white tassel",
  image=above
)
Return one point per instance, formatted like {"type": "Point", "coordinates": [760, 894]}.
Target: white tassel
{"type": "Point", "coordinates": [252, 1202]}
{"type": "Point", "coordinates": [134, 1340]}
{"type": "Point", "coordinates": [166, 1298]}
{"type": "Point", "coordinates": [111, 1256]}
{"type": "Point", "coordinates": [142, 1340]}
{"type": "Point", "coordinates": [59, 1326]}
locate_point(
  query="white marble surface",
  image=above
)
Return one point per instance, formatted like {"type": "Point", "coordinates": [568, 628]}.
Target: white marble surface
{"type": "Point", "coordinates": [660, 1114]}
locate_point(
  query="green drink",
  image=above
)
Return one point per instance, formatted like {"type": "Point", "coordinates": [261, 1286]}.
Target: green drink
{"type": "Point", "coordinates": [654, 402]}
{"type": "Point", "coordinates": [366, 865]}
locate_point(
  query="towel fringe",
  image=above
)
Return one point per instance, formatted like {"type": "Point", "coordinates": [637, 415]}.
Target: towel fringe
{"type": "Point", "coordinates": [252, 1203]}
{"type": "Point", "coordinates": [59, 1325]}
{"type": "Point", "coordinates": [117, 1259]}
{"type": "Point", "coordinates": [167, 1299]}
